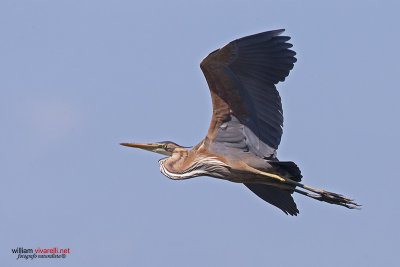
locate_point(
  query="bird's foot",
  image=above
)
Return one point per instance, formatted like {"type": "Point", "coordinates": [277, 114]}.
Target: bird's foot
{"type": "Point", "coordinates": [338, 199]}
{"type": "Point", "coordinates": [331, 198]}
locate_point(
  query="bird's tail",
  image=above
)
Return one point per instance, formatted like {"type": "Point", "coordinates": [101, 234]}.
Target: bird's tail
{"type": "Point", "coordinates": [286, 169]}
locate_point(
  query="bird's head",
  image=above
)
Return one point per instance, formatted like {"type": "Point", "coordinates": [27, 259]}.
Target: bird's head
{"type": "Point", "coordinates": [166, 147]}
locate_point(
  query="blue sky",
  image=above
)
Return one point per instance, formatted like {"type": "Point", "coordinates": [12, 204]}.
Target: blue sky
{"type": "Point", "coordinates": [79, 77]}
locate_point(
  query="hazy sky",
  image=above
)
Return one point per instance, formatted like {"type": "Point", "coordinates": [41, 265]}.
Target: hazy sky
{"type": "Point", "coordinates": [79, 77]}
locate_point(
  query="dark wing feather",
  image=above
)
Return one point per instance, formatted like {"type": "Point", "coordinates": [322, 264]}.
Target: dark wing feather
{"type": "Point", "coordinates": [275, 196]}
{"type": "Point", "coordinates": [246, 105]}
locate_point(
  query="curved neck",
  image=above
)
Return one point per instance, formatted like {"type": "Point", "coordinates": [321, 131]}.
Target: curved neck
{"type": "Point", "coordinates": [183, 165]}
{"type": "Point", "coordinates": [176, 166]}
{"type": "Point", "coordinates": [177, 162]}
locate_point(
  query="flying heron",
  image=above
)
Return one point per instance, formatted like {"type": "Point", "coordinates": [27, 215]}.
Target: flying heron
{"type": "Point", "coordinates": [246, 125]}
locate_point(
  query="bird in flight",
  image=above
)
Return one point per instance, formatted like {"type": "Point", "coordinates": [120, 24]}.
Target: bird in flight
{"type": "Point", "coordinates": [246, 125]}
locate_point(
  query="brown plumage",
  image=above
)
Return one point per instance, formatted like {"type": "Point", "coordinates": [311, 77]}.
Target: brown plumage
{"type": "Point", "coordinates": [246, 126]}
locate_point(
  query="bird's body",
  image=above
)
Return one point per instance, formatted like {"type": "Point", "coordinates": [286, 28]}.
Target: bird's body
{"type": "Point", "coordinates": [246, 126]}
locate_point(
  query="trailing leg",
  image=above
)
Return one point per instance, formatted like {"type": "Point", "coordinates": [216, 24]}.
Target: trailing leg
{"type": "Point", "coordinates": [325, 196]}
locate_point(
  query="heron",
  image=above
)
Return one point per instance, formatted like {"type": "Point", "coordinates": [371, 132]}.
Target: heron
{"type": "Point", "coordinates": [246, 125]}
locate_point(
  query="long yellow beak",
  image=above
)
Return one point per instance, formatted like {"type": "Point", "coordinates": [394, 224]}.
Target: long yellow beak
{"type": "Point", "coordinates": [149, 147]}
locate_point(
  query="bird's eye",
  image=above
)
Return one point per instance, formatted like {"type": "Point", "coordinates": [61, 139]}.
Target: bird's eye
{"type": "Point", "coordinates": [165, 146]}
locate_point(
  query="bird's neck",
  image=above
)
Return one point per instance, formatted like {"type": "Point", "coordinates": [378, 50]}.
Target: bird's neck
{"type": "Point", "coordinates": [176, 166]}
{"type": "Point", "coordinates": [185, 165]}
{"type": "Point", "coordinates": [178, 161]}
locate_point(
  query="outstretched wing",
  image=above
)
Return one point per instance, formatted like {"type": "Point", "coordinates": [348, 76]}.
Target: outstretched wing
{"type": "Point", "coordinates": [281, 199]}
{"type": "Point", "coordinates": [247, 109]}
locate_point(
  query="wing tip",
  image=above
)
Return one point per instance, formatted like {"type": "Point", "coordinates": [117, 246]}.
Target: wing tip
{"type": "Point", "coordinates": [293, 212]}
{"type": "Point", "coordinates": [275, 196]}
{"type": "Point", "coordinates": [265, 34]}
